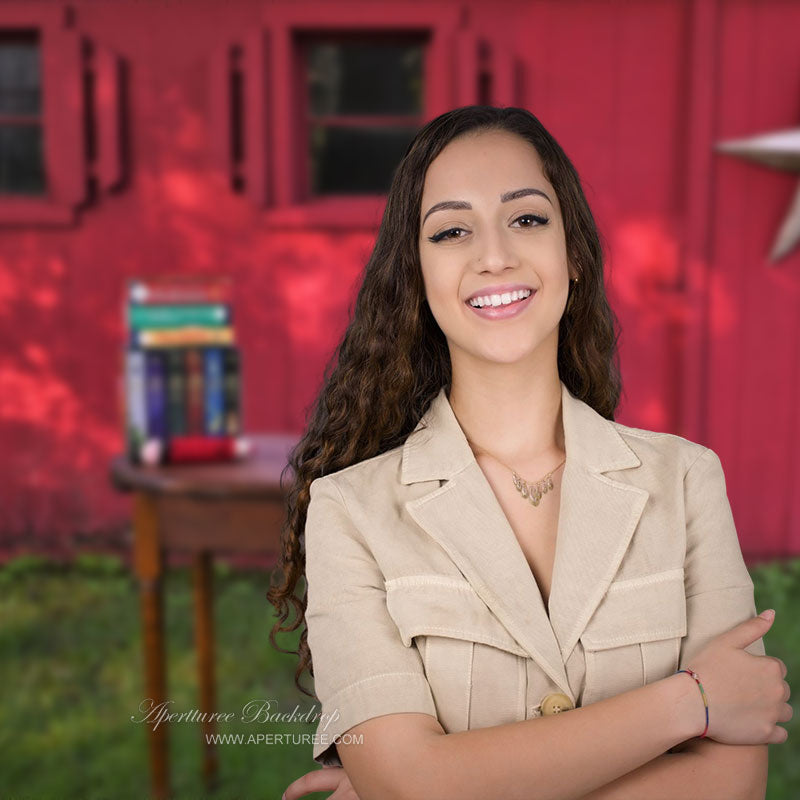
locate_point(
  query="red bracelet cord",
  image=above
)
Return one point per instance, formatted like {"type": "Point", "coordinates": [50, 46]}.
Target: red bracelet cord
{"type": "Point", "coordinates": [691, 673]}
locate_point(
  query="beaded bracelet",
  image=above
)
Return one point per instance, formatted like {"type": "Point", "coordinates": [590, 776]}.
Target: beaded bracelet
{"type": "Point", "coordinates": [691, 673]}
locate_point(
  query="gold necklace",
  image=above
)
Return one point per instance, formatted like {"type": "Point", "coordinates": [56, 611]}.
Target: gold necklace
{"type": "Point", "coordinates": [530, 491]}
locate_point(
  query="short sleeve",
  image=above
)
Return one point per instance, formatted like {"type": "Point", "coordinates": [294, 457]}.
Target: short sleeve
{"type": "Point", "coordinates": [719, 589]}
{"type": "Point", "coordinates": [361, 667]}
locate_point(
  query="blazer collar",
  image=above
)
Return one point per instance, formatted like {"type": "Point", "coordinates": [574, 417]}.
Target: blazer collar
{"type": "Point", "coordinates": [597, 517]}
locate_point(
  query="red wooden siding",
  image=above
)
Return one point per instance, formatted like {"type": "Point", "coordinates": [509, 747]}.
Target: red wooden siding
{"type": "Point", "coordinates": [636, 92]}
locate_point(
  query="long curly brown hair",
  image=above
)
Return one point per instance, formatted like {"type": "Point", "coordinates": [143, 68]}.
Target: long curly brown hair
{"type": "Point", "coordinates": [393, 357]}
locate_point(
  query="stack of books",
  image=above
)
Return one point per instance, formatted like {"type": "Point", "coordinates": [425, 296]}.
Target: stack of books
{"type": "Point", "coordinates": [182, 371]}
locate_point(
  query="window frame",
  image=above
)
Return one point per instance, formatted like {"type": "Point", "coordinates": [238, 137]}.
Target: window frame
{"type": "Point", "coordinates": [272, 176]}
{"type": "Point", "coordinates": [63, 156]}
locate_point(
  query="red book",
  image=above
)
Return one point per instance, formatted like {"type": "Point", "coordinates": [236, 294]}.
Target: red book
{"type": "Point", "coordinates": [180, 289]}
{"type": "Point", "coordinates": [206, 448]}
{"type": "Point", "coordinates": [185, 449]}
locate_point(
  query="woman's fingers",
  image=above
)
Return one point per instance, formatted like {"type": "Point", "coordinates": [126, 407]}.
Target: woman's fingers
{"type": "Point", "coordinates": [326, 779]}
{"type": "Point", "coordinates": [781, 664]}
{"type": "Point", "coordinates": [778, 735]}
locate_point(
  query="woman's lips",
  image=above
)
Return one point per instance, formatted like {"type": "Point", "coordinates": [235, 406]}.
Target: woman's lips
{"type": "Point", "coordinates": [503, 312]}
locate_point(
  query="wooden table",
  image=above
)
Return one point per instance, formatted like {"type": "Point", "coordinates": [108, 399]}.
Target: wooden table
{"type": "Point", "coordinates": [200, 508]}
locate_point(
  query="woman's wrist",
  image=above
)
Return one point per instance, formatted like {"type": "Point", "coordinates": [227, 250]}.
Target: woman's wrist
{"type": "Point", "coordinates": [696, 678]}
{"type": "Point", "coordinates": [684, 697]}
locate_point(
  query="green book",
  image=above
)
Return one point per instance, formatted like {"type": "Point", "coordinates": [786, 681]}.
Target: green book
{"type": "Point", "coordinates": [175, 316]}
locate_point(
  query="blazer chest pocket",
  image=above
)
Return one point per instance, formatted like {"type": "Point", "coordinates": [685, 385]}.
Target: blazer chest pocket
{"type": "Point", "coordinates": [634, 636]}
{"type": "Point", "coordinates": [475, 668]}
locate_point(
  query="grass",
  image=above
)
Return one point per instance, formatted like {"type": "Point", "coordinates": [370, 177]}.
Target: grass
{"type": "Point", "coordinates": [71, 678]}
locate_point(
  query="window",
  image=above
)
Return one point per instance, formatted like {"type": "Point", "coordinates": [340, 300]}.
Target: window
{"type": "Point", "coordinates": [312, 112]}
{"type": "Point", "coordinates": [21, 158]}
{"type": "Point", "coordinates": [364, 104]}
{"type": "Point", "coordinates": [61, 122]}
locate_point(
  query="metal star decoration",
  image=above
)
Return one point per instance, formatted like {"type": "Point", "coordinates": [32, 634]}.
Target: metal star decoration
{"type": "Point", "coordinates": [780, 150]}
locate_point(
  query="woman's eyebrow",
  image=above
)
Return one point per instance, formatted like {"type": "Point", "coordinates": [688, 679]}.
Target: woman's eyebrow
{"type": "Point", "coordinates": [460, 205]}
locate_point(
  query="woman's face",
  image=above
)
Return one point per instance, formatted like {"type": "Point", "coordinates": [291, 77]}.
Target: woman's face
{"type": "Point", "coordinates": [492, 244]}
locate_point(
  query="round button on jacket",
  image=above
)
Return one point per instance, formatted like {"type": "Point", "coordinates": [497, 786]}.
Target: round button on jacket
{"type": "Point", "coordinates": [555, 704]}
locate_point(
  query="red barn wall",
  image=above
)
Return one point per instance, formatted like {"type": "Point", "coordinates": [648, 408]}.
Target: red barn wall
{"type": "Point", "coordinates": [637, 93]}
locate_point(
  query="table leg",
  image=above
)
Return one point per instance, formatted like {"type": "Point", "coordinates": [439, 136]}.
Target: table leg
{"type": "Point", "coordinates": [204, 642]}
{"type": "Point", "coordinates": [148, 564]}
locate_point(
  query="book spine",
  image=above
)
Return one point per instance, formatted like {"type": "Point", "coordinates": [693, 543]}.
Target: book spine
{"type": "Point", "coordinates": [176, 391]}
{"type": "Point", "coordinates": [182, 337]}
{"type": "Point", "coordinates": [195, 422]}
{"type": "Point", "coordinates": [231, 391]}
{"type": "Point", "coordinates": [175, 316]}
{"type": "Point", "coordinates": [135, 402]}
{"type": "Point", "coordinates": [155, 292]}
{"type": "Point", "coordinates": [214, 399]}
{"type": "Point", "coordinates": [156, 377]}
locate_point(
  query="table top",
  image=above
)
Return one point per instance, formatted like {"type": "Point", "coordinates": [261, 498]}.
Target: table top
{"type": "Point", "coordinates": [257, 475]}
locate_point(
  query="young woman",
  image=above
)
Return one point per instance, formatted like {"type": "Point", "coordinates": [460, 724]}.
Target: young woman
{"type": "Point", "coordinates": [502, 581]}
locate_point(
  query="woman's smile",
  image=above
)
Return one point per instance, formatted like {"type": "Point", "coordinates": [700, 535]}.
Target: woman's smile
{"type": "Point", "coordinates": [503, 305]}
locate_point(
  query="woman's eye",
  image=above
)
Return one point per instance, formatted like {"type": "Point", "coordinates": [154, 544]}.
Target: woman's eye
{"type": "Point", "coordinates": [444, 235]}
{"type": "Point", "coordinates": [540, 219]}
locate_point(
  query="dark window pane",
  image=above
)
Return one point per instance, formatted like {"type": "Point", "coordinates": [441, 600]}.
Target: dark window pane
{"type": "Point", "coordinates": [365, 77]}
{"type": "Point", "coordinates": [356, 160]}
{"type": "Point", "coordinates": [20, 91]}
{"type": "Point", "coordinates": [21, 159]}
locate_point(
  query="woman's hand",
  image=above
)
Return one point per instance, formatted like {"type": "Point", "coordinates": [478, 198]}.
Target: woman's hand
{"type": "Point", "coordinates": [747, 694]}
{"type": "Point", "coordinates": [327, 779]}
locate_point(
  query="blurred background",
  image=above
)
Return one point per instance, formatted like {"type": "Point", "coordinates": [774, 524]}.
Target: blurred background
{"type": "Point", "coordinates": [255, 141]}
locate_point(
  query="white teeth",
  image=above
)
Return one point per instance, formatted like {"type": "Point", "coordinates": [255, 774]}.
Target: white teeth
{"type": "Point", "coordinates": [499, 299]}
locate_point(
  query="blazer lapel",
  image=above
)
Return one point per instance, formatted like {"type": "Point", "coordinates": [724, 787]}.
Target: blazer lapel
{"type": "Point", "coordinates": [597, 518]}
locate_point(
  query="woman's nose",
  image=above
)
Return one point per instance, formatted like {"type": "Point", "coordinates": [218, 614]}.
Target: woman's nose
{"type": "Point", "coordinates": [494, 251]}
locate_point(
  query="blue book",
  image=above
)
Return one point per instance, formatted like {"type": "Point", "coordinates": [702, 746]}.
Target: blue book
{"type": "Point", "coordinates": [176, 391]}
{"type": "Point", "coordinates": [214, 391]}
{"type": "Point", "coordinates": [156, 388]}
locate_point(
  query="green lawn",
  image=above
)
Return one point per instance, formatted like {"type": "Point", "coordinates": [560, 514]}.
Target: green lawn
{"type": "Point", "coordinates": [70, 680]}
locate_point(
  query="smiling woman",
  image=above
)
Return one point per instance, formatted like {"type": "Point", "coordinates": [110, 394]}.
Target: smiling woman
{"type": "Point", "coordinates": [504, 585]}
{"type": "Point", "coordinates": [500, 232]}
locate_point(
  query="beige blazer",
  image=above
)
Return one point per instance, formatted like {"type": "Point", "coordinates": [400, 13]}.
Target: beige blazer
{"type": "Point", "coordinates": [421, 599]}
